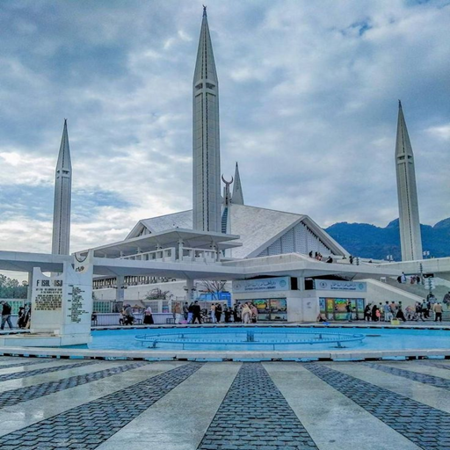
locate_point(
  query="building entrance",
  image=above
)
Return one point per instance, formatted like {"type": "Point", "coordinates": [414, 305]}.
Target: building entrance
{"type": "Point", "coordinates": [335, 308]}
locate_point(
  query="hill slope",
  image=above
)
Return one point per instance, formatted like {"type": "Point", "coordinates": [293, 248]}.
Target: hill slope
{"type": "Point", "coordinates": [369, 241]}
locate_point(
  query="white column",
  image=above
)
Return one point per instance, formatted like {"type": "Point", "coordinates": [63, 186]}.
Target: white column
{"type": "Point", "coordinates": [120, 294]}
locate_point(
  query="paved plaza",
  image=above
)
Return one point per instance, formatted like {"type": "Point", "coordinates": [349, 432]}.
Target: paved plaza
{"type": "Point", "coordinates": [68, 404]}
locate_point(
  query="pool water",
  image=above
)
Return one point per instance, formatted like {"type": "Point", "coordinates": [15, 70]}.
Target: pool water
{"type": "Point", "coordinates": [231, 338]}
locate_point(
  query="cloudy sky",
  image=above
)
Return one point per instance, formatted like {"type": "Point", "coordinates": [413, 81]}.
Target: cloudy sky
{"type": "Point", "coordinates": [308, 94]}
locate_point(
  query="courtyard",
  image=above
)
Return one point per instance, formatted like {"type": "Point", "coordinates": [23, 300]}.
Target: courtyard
{"type": "Point", "coordinates": [179, 405]}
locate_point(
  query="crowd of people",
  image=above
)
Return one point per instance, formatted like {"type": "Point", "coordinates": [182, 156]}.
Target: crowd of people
{"type": "Point", "coordinates": [389, 311]}
{"type": "Point", "coordinates": [218, 312]}
{"type": "Point", "coordinates": [192, 313]}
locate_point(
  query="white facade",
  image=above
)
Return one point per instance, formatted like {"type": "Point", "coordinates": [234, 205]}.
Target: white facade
{"type": "Point", "coordinates": [410, 237]}
{"type": "Point", "coordinates": [63, 193]}
{"type": "Point", "coordinates": [206, 137]}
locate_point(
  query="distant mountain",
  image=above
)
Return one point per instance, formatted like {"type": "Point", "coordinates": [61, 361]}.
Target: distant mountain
{"type": "Point", "coordinates": [369, 241]}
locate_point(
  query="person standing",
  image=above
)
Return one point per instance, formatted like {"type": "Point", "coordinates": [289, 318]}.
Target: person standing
{"type": "Point", "coordinates": [213, 313]}
{"type": "Point", "coordinates": [218, 312]}
{"type": "Point", "coordinates": [196, 312]}
{"type": "Point", "coordinates": [374, 313]}
{"type": "Point", "coordinates": [148, 316]}
{"type": "Point", "coordinates": [177, 313]}
{"type": "Point", "coordinates": [348, 309]}
{"type": "Point", "coordinates": [6, 315]}
{"type": "Point", "coordinates": [227, 312]}
{"type": "Point", "coordinates": [437, 308]}
{"type": "Point", "coordinates": [446, 299]}
{"type": "Point", "coordinates": [246, 313]}
{"type": "Point", "coordinates": [254, 311]}
{"type": "Point", "coordinates": [367, 312]}
{"type": "Point", "coordinates": [419, 312]}
{"type": "Point", "coordinates": [21, 317]}
{"type": "Point", "coordinates": [387, 312]}
{"type": "Point", "coordinates": [186, 311]}
{"type": "Point", "coordinates": [190, 313]}
{"type": "Point", "coordinates": [236, 314]}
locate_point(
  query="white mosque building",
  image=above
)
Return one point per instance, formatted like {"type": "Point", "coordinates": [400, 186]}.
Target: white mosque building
{"type": "Point", "coordinates": [271, 249]}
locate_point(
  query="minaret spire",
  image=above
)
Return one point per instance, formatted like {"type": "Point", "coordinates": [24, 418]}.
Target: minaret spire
{"type": "Point", "coordinates": [410, 237]}
{"type": "Point", "coordinates": [63, 192]}
{"type": "Point", "coordinates": [238, 196]}
{"type": "Point", "coordinates": [206, 137]}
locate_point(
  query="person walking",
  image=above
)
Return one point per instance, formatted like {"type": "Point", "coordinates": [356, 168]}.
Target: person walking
{"type": "Point", "coordinates": [148, 316]}
{"type": "Point", "coordinates": [400, 314]}
{"type": "Point", "coordinates": [196, 312]}
{"type": "Point", "coordinates": [437, 308]}
{"type": "Point", "coordinates": [6, 315]}
{"type": "Point", "coordinates": [129, 316]}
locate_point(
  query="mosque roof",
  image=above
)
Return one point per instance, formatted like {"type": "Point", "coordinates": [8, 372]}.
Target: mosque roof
{"type": "Point", "coordinates": [257, 227]}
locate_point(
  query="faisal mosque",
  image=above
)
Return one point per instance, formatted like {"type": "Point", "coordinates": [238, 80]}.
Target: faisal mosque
{"type": "Point", "coordinates": [283, 262]}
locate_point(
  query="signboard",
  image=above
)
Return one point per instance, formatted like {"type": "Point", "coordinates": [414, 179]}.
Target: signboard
{"type": "Point", "coordinates": [262, 285]}
{"type": "Point", "coordinates": [48, 293]}
{"type": "Point", "coordinates": [338, 285]}
{"type": "Point", "coordinates": [62, 303]}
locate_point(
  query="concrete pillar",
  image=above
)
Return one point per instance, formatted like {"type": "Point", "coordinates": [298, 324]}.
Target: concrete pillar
{"type": "Point", "coordinates": [120, 293]}
{"type": "Point", "coordinates": [189, 291]}
{"type": "Point", "coordinates": [180, 250]}
{"type": "Point", "coordinates": [30, 287]}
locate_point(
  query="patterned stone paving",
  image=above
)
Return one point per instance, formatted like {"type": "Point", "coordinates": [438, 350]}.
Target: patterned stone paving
{"type": "Point", "coordinates": [435, 364]}
{"type": "Point", "coordinates": [25, 363]}
{"type": "Point", "coordinates": [427, 427]}
{"type": "Point", "coordinates": [89, 425]}
{"type": "Point", "coordinates": [32, 373]}
{"type": "Point", "coordinates": [15, 396]}
{"type": "Point", "coordinates": [414, 376]}
{"type": "Point", "coordinates": [255, 416]}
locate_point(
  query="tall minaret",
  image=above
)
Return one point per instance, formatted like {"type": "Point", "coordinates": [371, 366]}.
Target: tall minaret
{"type": "Point", "coordinates": [63, 191]}
{"type": "Point", "coordinates": [410, 238]}
{"type": "Point", "coordinates": [238, 197]}
{"type": "Point", "coordinates": [206, 139]}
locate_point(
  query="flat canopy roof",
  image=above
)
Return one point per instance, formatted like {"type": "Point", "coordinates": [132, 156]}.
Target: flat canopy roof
{"type": "Point", "coordinates": [165, 239]}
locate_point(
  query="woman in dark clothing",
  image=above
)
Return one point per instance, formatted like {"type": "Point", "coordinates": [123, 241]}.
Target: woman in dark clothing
{"type": "Point", "coordinates": [374, 313]}
{"type": "Point", "coordinates": [400, 314]}
{"type": "Point", "coordinates": [218, 312]}
{"type": "Point", "coordinates": [21, 317]}
{"type": "Point", "coordinates": [367, 313]}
